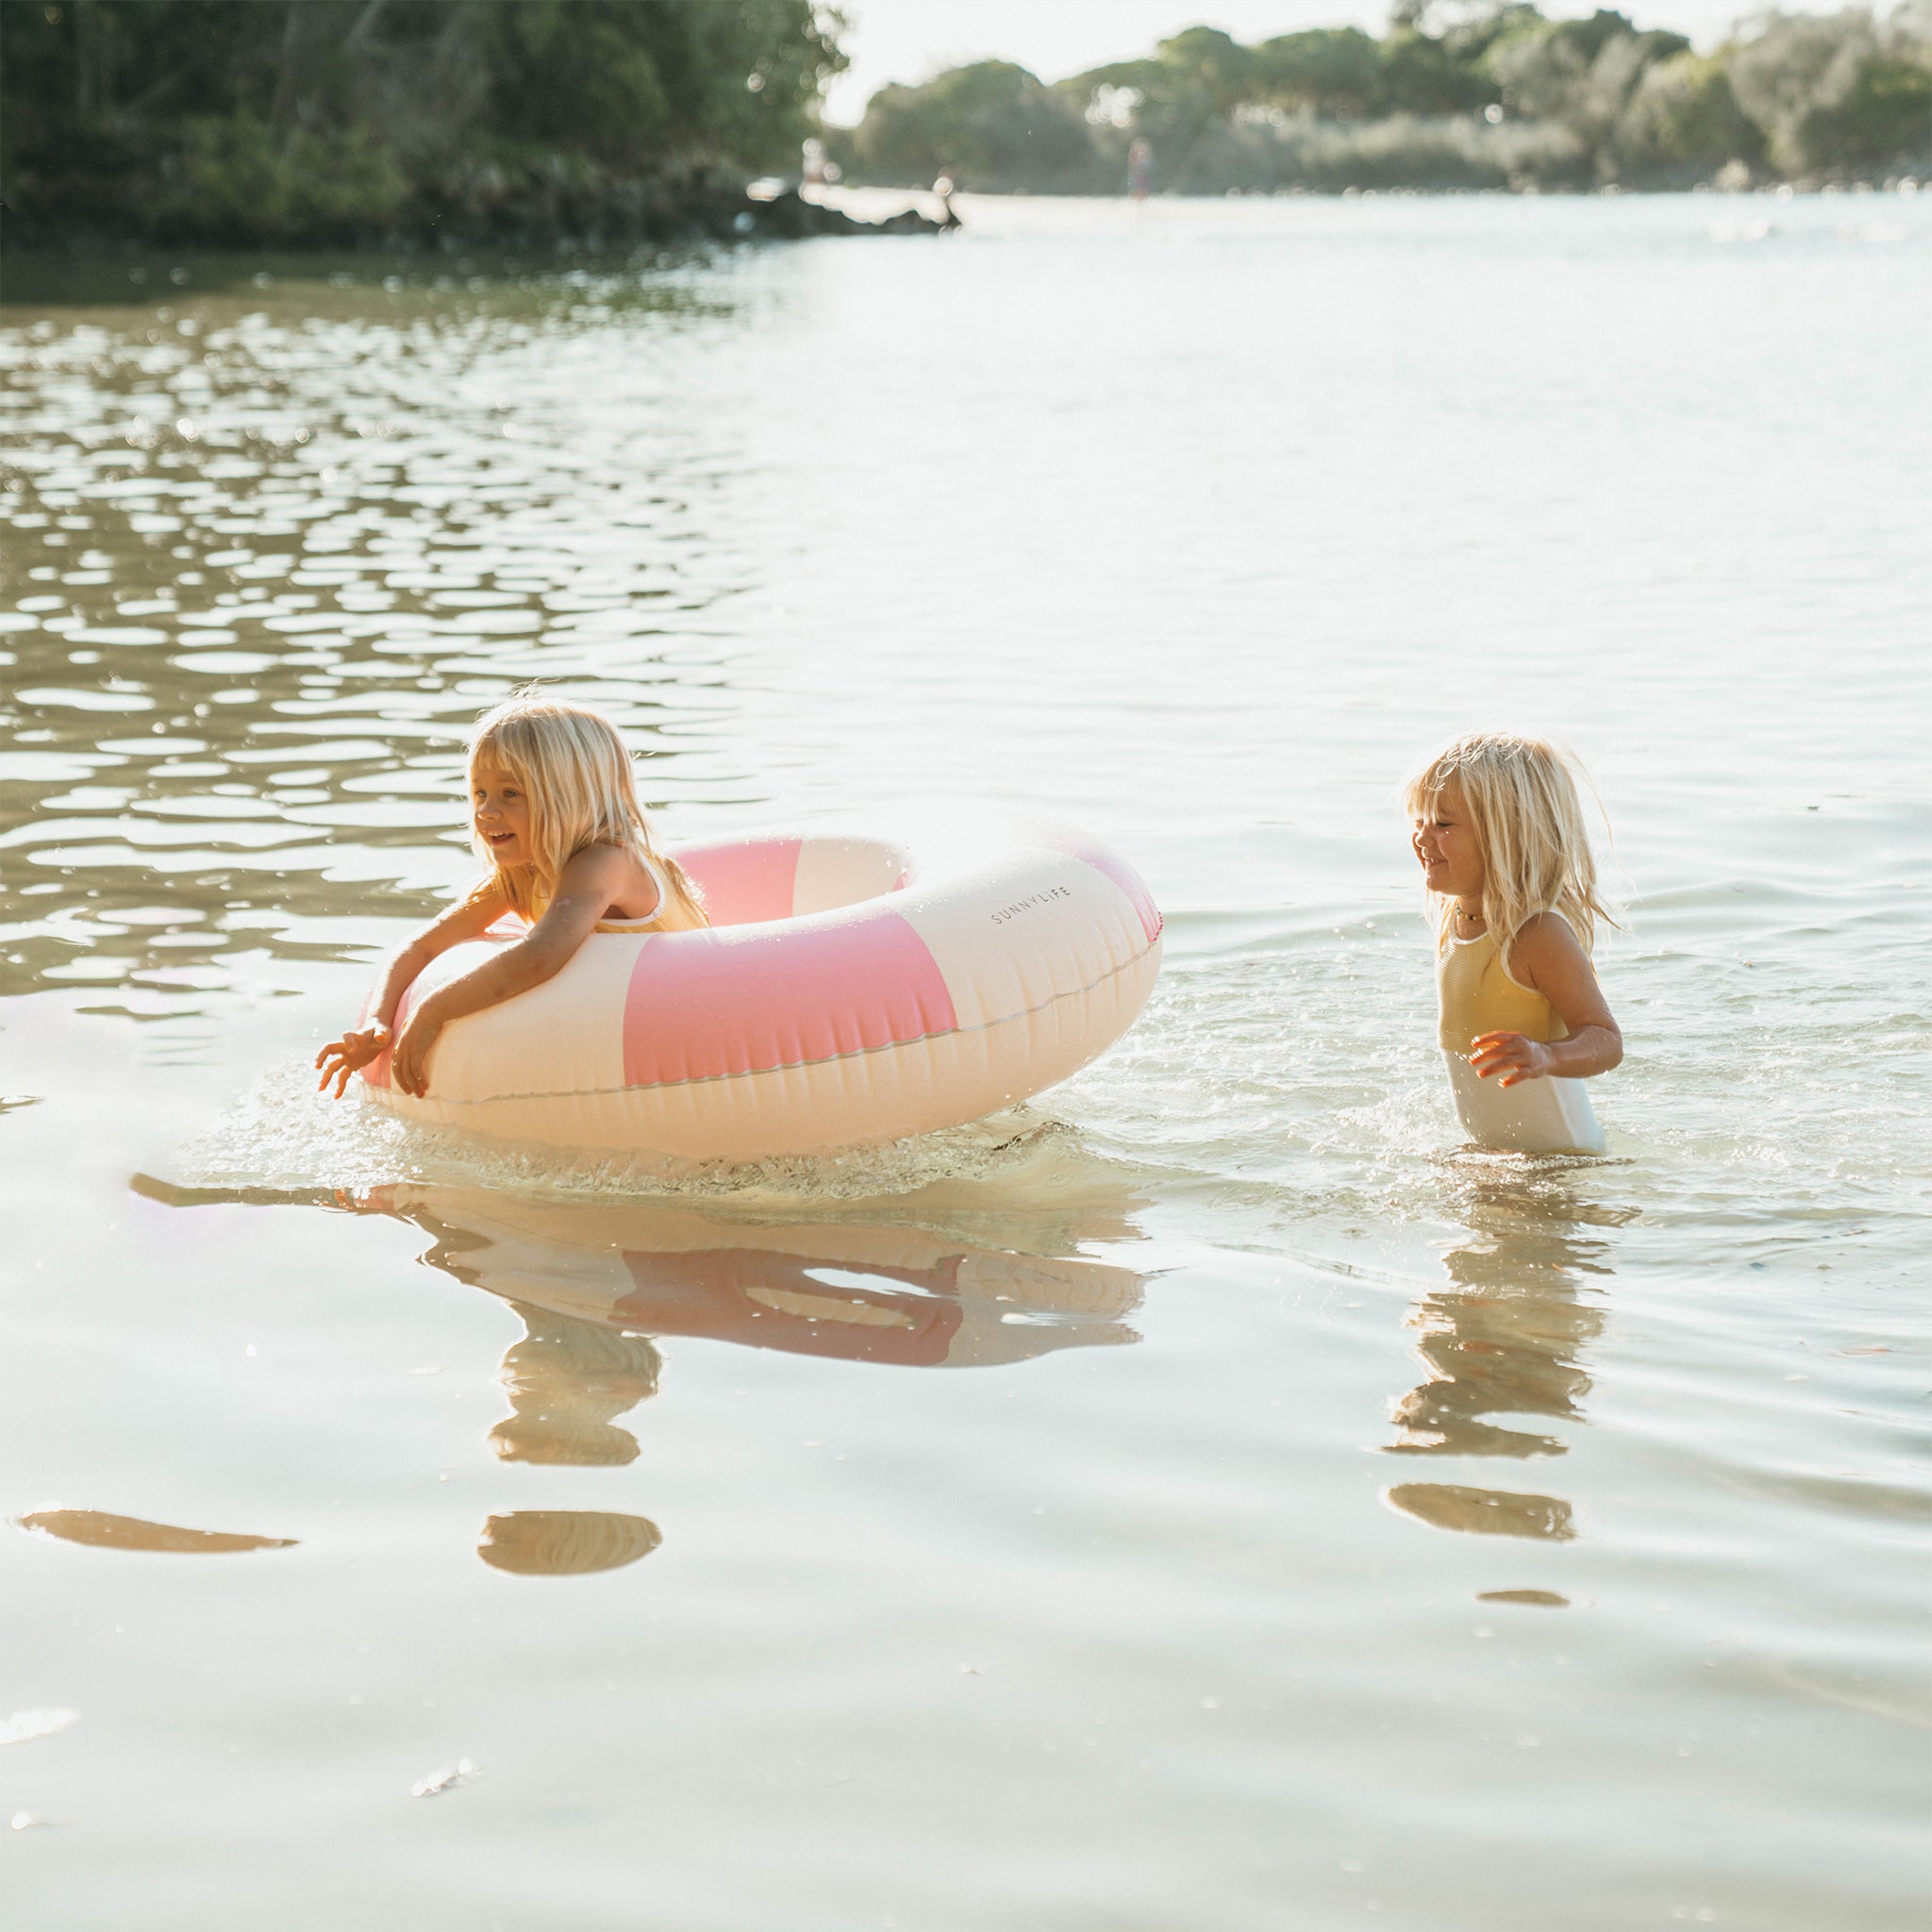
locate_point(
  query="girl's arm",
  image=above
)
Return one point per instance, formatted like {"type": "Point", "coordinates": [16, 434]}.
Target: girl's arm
{"type": "Point", "coordinates": [468, 919]}
{"type": "Point", "coordinates": [1547, 958]}
{"type": "Point", "coordinates": [590, 882]}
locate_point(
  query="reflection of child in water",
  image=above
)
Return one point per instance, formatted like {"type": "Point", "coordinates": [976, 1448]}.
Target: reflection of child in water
{"type": "Point", "coordinates": [565, 1543]}
{"type": "Point", "coordinates": [1500, 836]}
{"type": "Point", "coordinates": [568, 1382]}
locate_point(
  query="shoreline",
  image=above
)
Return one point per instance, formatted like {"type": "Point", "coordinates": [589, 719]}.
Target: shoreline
{"type": "Point", "coordinates": [626, 217]}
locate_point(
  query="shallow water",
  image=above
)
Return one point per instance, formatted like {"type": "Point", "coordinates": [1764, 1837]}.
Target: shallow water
{"type": "Point", "coordinates": [1327, 1524]}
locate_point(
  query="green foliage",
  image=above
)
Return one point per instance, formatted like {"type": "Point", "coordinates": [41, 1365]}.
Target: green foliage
{"type": "Point", "coordinates": [232, 174]}
{"type": "Point", "coordinates": [1886, 113]}
{"type": "Point", "coordinates": [1578, 101]}
{"type": "Point", "coordinates": [1193, 80]}
{"type": "Point", "coordinates": [1836, 90]}
{"type": "Point", "coordinates": [1579, 73]}
{"type": "Point", "coordinates": [249, 120]}
{"type": "Point", "coordinates": [1683, 117]}
{"type": "Point", "coordinates": [990, 125]}
{"type": "Point", "coordinates": [1335, 73]}
{"type": "Point", "coordinates": [1214, 62]}
{"type": "Point", "coordinates": [1423, 76]}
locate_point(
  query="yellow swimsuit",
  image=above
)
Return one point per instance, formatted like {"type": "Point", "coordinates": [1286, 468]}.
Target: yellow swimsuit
{"type": "Point", "coordinates": [1475, 995]}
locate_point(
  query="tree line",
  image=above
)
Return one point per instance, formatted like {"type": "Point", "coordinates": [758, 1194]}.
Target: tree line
{"type": "Point", "coordinates": [1455, 95]}
{"type": "Point", "coordinates": [246, 121]}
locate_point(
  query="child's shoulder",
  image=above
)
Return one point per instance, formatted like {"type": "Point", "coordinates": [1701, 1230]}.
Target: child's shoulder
{"type": "Point", "coordinates": [598, 862]}
{"type": "Point", "coordinates": [1548, 931]}
{"type": "Point", "coordinates": [1546, 944]}
{"type": "Point", "coordinates": [1548, 921]}
{"type": "Point", "coordinates": [618, 875]}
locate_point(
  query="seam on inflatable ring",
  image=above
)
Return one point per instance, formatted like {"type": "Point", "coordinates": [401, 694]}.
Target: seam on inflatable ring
{"type": "Point", "coordinates": [857, 1053]}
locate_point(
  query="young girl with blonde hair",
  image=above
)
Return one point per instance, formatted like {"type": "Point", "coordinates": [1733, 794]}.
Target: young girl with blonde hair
{"type": "Point", "coordinates": [555, 814]}
{"type": "Point", "coordinates": [1500, 834]}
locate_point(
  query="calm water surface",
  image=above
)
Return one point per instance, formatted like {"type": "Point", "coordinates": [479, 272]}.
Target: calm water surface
{"type": "Point", "coordinates": [1208, 1500]}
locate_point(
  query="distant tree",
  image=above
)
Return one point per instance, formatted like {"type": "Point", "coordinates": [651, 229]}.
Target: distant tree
{"type": "Point", "coordinates": [992, 125]}
{"type": "Point", "coordinates": [1224, 68]}
{"type": "Point", "coordinates": [1683, 117]}
{"type": "Point", "coordinates": [1592, 98]}
{"type": "Point", "coordinates": [1578, 74]}
{"type": "Point", "coordinates": [1422, 74]}
{"type": "Point", "coordinates": [251, 119]}
{"type": "Point", "coordinates": [1194, 80]}
{"type": "Point", "coordinates": [1834, 90]}
{"type": "Point", "coordinates": [1470, 28]}
{"type": "Point", "coordinates": [1335, 73]}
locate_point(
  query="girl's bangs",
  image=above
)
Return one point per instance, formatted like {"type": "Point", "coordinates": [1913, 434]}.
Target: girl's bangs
{"type": "Point", "coordinates": [1423, 792]}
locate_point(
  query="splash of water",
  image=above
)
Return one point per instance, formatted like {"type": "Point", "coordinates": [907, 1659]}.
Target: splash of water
{"type": "Point", "coordinates": [283, 1137]}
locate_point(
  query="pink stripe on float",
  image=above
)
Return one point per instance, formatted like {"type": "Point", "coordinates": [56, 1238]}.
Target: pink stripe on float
{"type": "Point", "coordinates": [1120, 871]}
{"type": "Point", "coordinates": [377, 1073]}
{"type": "Point", "coordinates": [741, 1000]}
{"type": "Point", "coordinates": [746, 882]}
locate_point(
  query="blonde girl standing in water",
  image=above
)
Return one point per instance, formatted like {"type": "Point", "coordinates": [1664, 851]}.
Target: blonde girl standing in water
{"type": "Point", "coordinates": [556, 816]}
{"type": "Point", "coordinates": [1500, 835]}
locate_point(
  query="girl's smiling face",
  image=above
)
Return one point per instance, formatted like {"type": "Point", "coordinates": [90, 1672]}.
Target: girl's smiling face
{"type": "Point", "coordinates": [500, 810]}
{"type": "Point", "coordinates": [1445, 843]}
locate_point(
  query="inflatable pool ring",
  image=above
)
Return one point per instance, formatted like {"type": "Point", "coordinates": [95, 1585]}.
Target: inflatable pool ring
{"type": "Point", "coordinates": [849, 990]}
{"type": "Point", "coordinates": [1548, 1116]}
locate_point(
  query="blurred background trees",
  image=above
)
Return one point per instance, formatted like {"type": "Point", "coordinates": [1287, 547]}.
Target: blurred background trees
{"type": "Point", "coordinates": [249, 120]}
{"type": "Point", "coordinates": [1455, 94]}
{"type": "Point", "coordinates": [991, 122]}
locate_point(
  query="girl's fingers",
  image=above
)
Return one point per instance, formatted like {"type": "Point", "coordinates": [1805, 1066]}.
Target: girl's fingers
{"type": "Point", "coordinates": [1510, 1057]}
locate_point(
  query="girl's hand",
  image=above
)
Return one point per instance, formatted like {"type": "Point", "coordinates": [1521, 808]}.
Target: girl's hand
{"type": "Point", "coordinates": [409, 1066]}
{"type": "Point", "coordinates": [341, 1058]}
{"type": "Point", "coordinates": [1510, 1055]}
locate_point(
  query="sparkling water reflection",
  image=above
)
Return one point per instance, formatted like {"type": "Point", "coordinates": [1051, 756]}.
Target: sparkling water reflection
{"type": "Point", "coordinates": [283, 561]}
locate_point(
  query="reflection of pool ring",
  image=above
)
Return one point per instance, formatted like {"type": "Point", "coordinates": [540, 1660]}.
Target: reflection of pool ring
{"type": "Point", "coordinates": [896, 1295]}
{"type": "Point", "coordinates": [848, 991]}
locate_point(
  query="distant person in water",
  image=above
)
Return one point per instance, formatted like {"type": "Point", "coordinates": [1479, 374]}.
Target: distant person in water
{"type": "Point", "coordinates": [949, 219]}
{"type": "Point", "coordinates": [556, 816]}
{"type": "Point", "coordinates": [1140, 170]}
{"type": "Point", "coordinates": [1500, 835]}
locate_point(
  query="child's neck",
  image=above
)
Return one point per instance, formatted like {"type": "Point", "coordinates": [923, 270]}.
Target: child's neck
{"type": "Point", "coordinates": [1468, 925]}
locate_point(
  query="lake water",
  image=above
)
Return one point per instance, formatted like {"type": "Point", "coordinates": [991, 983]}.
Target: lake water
{"type": "Point", "coordinates": [1210, 1499]}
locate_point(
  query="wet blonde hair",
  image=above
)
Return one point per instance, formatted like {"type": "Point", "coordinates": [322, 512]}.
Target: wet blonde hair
{"type": "Point", "coordinates": [572, 768]}
{"type": "Point", "coordinates": [1522, 802]}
